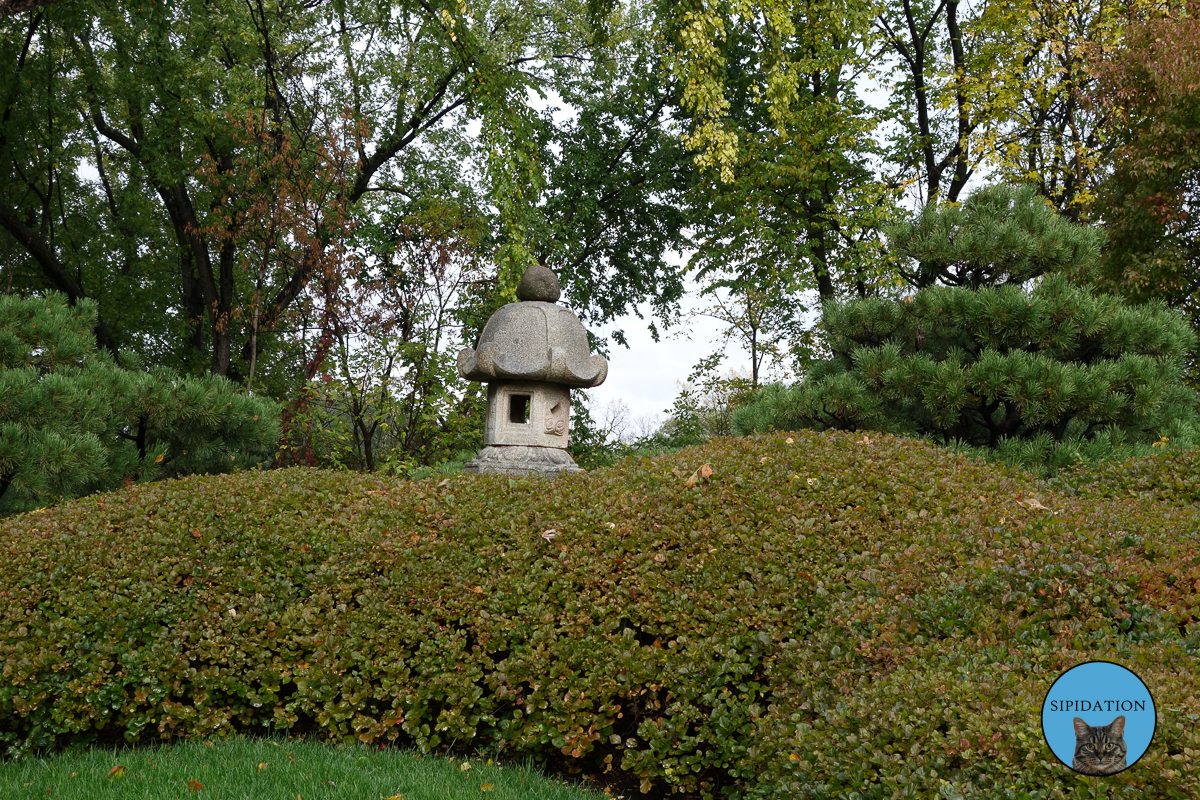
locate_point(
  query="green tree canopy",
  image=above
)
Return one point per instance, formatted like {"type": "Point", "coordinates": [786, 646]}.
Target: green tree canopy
{"type": "Point", "coordinates": [203, 171]}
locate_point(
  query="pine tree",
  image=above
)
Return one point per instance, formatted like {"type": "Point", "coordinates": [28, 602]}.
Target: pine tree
{"type": "Point", "coordinates": [999, 236]}
{"type": "Point", "coordinates": [73, 420]}
{"type": "Point", "coordinates": [1045, 374]}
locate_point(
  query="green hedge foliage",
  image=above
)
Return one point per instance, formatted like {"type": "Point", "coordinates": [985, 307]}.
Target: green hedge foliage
{"type": "Point", "coordinates": [807, 615]}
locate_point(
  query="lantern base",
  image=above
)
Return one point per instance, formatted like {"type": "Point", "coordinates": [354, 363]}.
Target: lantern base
{"type": "Point", "coordinates": [522, 460]}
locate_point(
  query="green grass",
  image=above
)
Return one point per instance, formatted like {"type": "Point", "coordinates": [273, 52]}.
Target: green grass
{"type": "Point", "coordinates": [261, 769]}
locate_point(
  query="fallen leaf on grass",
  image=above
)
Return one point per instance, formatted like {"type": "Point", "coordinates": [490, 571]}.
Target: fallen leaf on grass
{"type": "Point", "coordinates": [195, 785]}
{"type": "Point", "coordinates": [262, 765]}
{"type": "Point", "coordinates": [117, 772]}
{"type": "Point", "coordinates": [487, 787]}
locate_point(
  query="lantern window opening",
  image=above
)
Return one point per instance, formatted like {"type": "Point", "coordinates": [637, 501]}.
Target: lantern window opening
{"type": "Point", "coordinates": [518, 409]}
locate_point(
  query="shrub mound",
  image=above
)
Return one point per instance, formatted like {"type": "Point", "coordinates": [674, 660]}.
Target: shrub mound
{"type": "Point", "coordinates": [824, 615]}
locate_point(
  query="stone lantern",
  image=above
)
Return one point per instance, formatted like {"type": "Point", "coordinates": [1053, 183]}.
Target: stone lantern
{"type": "Point", "coordinates": [530, 354]}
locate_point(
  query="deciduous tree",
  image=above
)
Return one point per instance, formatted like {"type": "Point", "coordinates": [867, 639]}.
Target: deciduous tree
{"type": "Point", "coordinates": [1149, 201]}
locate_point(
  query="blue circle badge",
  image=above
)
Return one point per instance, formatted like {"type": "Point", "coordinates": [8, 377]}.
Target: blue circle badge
{"type": "Point", "coordinates": [1098, 718]}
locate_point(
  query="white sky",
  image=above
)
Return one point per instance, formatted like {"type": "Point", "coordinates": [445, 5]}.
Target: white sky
{"type": "Point", "coordinates": [647, 375]}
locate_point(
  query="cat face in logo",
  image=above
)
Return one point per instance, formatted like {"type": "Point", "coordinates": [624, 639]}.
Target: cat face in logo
{"type": "Point", "coordinates": [1099, 750]}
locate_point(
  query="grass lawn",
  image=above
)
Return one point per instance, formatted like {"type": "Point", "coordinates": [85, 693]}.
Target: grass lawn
{"type": "Point", "coordinates": [258, 769]}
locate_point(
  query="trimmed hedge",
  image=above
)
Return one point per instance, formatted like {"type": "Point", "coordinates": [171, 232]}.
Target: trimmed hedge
{"type": "Point", "coordinates": [825, 615]}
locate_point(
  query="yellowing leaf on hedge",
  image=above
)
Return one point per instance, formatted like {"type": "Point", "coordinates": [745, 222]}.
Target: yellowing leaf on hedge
{"type": "Point", "coordinates": [793, 757]}
{"type": "Point", "coordinates": [159, 459]}
{"type": "Point", "coordinates": [117, 772]}
{"type": "Point", "coordinates": [705, 471]}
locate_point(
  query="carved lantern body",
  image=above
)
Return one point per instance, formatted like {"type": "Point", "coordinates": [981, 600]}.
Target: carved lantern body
{"type": "Point", "coordinates": [531, 354]}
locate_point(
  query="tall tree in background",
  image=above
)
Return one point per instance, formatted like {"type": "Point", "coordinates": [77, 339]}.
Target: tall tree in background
{"type": "Point", "coordinates": [800, 208]}
{"type": "Point", "coordinates": [991, 85]}
{"type": "Point", "coordinates": [1150, 200]}
{"type": "Point", "coordinates": [617, 176]}
{"type": "Point", "coordinates": [192, 117]}
{"type": "Point", "coordinates": [1052, 137]}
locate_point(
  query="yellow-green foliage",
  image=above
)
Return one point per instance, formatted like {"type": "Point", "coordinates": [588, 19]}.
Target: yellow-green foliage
{"type": "Point", "coordinates": [825, 615]}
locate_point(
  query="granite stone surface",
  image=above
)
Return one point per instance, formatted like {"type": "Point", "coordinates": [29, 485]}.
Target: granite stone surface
{"type": "Point", "coordinates": [539, 283]}
{"type": "Point", "coordinates": [530, 353]}
{"type": "Point", "coordinates": [527, 413]}
{"type": "Point", "coordinates": [535, 341]}
{"type": "Point", "coordinates": [523, 460]}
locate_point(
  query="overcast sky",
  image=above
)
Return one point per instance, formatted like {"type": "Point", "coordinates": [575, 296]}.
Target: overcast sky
{"type": "Point", "coordinates": [647, 375]}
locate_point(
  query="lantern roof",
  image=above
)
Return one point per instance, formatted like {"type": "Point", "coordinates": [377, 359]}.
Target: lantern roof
{"type": "Point", "coordinates": [534, 340]}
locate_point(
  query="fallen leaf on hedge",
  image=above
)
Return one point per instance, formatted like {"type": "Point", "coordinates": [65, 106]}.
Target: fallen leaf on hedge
{"type": "Point", "coordinates": [477, 590]}
{"type": "Point", "coordinates": [195, 785]}
{"type": "Point", "coordinates": [793, 757]}
{"type": "Point", "coordinates": [550, 534]}
{"type": "Point", "coordinates": [789, 440]}
{"type": "Point", "coordinates": [117, 772]}
{"type": "Point", "coordinates": [1033, 503]}
{"type": "Point", "coordinates": [765, 459]}
{"type": "Point", "coordinates": [706, 471]}
{"type": "Point", "coordinates": [159, 459]}
{"type": "Point", "coordinates": [693, 480]}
